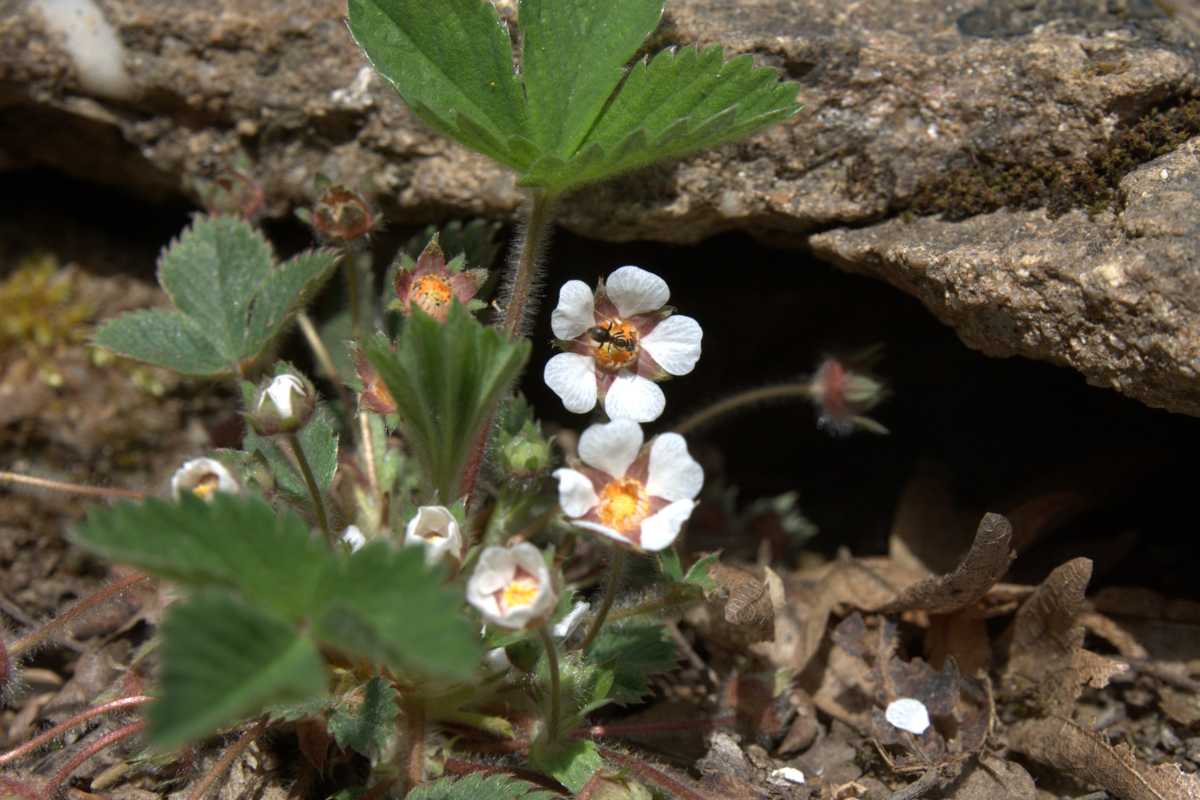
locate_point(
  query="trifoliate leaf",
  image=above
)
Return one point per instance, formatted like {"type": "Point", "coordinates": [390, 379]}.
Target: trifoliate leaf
{"type": "Point", "coordinates": [222, 661]}
{"type": "Point", "coordinates": [229, 541]}
{"type": "Point", "coordinates": [385, 606]}
{"type": "Point", "coordinates": [370, 723]}
{"type": "Point", "coordinates": [165, 338]}
{"type": "Point", "coordinates": [480, 787]}
{"type": "Point", "coordinates": [573, 56]}
{"type": "Point", "coordinates": [634, 653]}
{"type": "Point", "coordinates": [451, 61]}
{"type": "Point", "coordinates": [446, 379]}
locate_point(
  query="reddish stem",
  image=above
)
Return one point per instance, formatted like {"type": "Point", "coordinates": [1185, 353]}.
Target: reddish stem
{"type": "Point", "coordinates": [414, 762]}
{"type": "Point", "coordinates": [643, 728]}
{"type": "Point", "coordinates": [71, 722]}
{"type": "Point", "coordinates": [18, 789]}
{"type": "Point", "coordinates": [70, 488]}
{"type": "Point", "coordinates": [105, 741]}
{"type": "Point", "coordinates": [226, 760]}
{"type": "Point", "coordinates": [82, 607]}
{"type": "Point", "coordinates": [674, 787]}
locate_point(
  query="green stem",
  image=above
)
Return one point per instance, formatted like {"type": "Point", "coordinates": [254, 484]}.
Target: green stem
{"type": "Point", "coordinates": [311, 482]}
{"type": "Point", "coordinates": [518, 290]}
{"type": "Point", "coordinates": [351, 272]}
{"type": "Point", "coordinates": [673, 599]}
{"type": "Point", "coordinates": [552, 664]}
{"type": "Point", "coordinates": [735, 402]}
{"type": "Point", "coordinates": [615, 568]}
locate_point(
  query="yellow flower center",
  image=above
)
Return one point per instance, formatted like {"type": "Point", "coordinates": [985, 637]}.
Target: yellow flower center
{"type": "Point", "coordinates": [431, 294]}
{"type": "Point", "coordinates": [623, 504]}
{"type": "Point", "coordinates": [206, 486]}
{"type": "Point", "coordinates": [614, 343]}
{"type": "Point", "coordinates": [519, 594]}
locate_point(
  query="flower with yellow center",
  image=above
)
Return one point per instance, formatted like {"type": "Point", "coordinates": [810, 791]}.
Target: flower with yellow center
{"type": "Point", "coordinates": [432, 285]}
{"type": "Point", "coordinates": [202, 477]}
{"type": "Point", "coordinates": [637, 495]}
{"type": "Point", "coordinates": [617, 342]}
{"type": "Point", "coordinates": [511, 587]}
{"type": "Point", "coordinates": [435, 529]}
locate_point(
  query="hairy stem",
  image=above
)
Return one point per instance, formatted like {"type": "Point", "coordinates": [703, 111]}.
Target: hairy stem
{"type": "Point", "coordinates": [414, 745]}
{"type": "Point", "coordinates": [105, 741]}
{"type": "Point", "coordinates": [313, 490]}
{"type": "Point", "coordinates": [71, 722]}
{"type": "Point", "coordinates": [518, 290]}
{"type": "Point", "coordinates": [70, 488]}
{"type": "Point", "coordinates": [85, 605]}
{"type": "Point", "coordinates": [655, 776]}
{"type": "Point", "coordinates": [226, 760]}
{"type": "Point", "coordinates": [615, 568]}
{"type": "Point", "coordinates": [672, 599]}
{"type": "Point", "coordinates": [736, 402]}
{"type": "Point", "coordinates": [555, 689]}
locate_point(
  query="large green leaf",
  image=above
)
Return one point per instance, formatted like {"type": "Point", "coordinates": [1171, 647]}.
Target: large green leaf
{"type": "Point", "coordinates": [224, 660]}
{"type": "Point", "coordinates": [284, 290]}
{"type": "Point", "coordinates": [633, 652]}
{"type": "Point", "coordinates": [230, 541]}
{"type": "Point", "coordinates": [573, 55]}
{"type": "Point", "coordinates": [451, 61]}
{"type": "Point", "coordinates": [480, 787]}
{"type": "Point", "coordinates": [385, 606]}
{"type": "Point", "coordinates": [165, 338]}
{"type": "Point", "coordinates": [446, 379]}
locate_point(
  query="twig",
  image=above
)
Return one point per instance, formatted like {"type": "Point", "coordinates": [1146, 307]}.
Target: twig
{"type": "Point", "coordinates": [105, 741]}
{"type": "Point", "coordinates": [71, 722]}
{"type": "Point", "coordinates": [69, 488]}
{"type": "Point", "coordinates": [83, 606]}
{"type": "Point", "coordinates": [226, 760]}
{"type": "Point", "coordinates": [919, 787]}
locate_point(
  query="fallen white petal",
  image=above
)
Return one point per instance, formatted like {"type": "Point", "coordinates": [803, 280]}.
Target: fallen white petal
{"type": "Point", "coordinates": [674, 474]}
{"type": "Point", "coordinates": [661, 529]}
{"type": "Point", "coordinates": [573, 378]}
{"type": "Point", "coordinates": [787, 775]}
{"type": "Point", "coordinates": [633, 290]}
{"type": "Point", "coordinates": [675, 344]}
{"type": "Point", "coordinates": [908, 714]}
{"type": "Point", "coordinates": [575, 312]}
{"type": "Point", "coordinates": [612, 446]}
{"type": "Point", "coordinates": [576, 494]}
{"type": "Point", "coordinates": [634, 397]}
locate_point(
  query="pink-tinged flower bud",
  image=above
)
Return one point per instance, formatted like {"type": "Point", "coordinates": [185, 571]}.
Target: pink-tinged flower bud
{"type": "Point", "coordinates": [844, 396]}
{"type": "Point", "coordinates": [342, 215]}
{"type": "Point", "coordinates": [431, 284]}
{"type": "Point", "coordinates": [202, 477]}
{"type": "Point", "coordinates": [283, 405]}
{"type": "Point", "coordinates": [375, 396]}
{"type": "Point", "coordinates": [435, 529]}
{"type": "Point", "coordinates": [512, 587]}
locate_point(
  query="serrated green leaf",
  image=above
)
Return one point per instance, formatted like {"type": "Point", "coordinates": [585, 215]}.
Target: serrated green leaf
{"type": "Point", "coordinates": [367, 728]}
{"type": "Point", "coordinates": [446, 379]}
{"type": "Point", "coordinates": [676, 104]}
{"type": "Point", "coordinates": [480, 787]}
{"type": "Point", "coordinates": [318, 439]}
{"type": "Point", "coordinates": [165, 338]}
{"type": "Point", "coordinates": [571, 763]}
{"type": "Point", "coordinates": [222, 661]}
{"type": "Point", "coordinates": [229, 541]}
{"type": "Point", "coordinates": [452, 63]}
{"type": "Point", "coordinates": [384, 605]}
{"type": "Point", "coordinates": [283, 291]}
{"type": "Point", "coordinates": [699, 574]}
{"type": "Point", "coordinates": [634, 652]}
{"type": "Point", "coordinates": [573, 56]}
{"type": "Point", "coordinates": [211, 273]}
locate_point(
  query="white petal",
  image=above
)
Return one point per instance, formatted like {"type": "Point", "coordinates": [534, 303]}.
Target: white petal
{"type": "Point", "coordinates": [634, 397]}
{"type": "Point", "coordinates": [675, 344]}
{"type": "Point", "coordinates": [563, 628]}
{"type": "Point", "coordinates": [633, 290]}
{"type": "Point", "coordinates": [280, 391]}
{"type": "Point", "coordinates": [603, 530]}
{"type": "Point", "coordinates": [435, 529]}
{"type": "Point", "coordinates": [575, 492]}
{"type": "Point", "coordinates": [575, 312]}
{"type": "Point", "coordinates": [611, 447]}
{"type": "Point", "coordinates": [494, 569]}
{"type": "Point", "coordinates": [659, 530]}
{"type": "Point", "coordinates": [353, 537]}
{"type": "Point", "coordinates": [573, 378]}
{"type": "Point", "coordinates": [908, 714]}
{"type": "Point", "coordinates": [194, 472]}
{"type": "Point", "coordinates": [674, 474]}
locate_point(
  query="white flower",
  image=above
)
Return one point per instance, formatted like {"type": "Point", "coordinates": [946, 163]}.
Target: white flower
{"type": "Point", "coordinates": [202, 477]}
{"type": "Point", "coordinates": [353, 537]}
{"type": "Point", "coordinates": [435, 529]}
{"type": "Point", "coordinates": [618, 342]}
{"type": "Point", "coordinates": [639, 496]}
{"type": "Point", "coordinates": [908, 714]}
{"type": "Point", "coordinates": [511, 586]}
{"type": "Point", "coordinates": [280, 392]}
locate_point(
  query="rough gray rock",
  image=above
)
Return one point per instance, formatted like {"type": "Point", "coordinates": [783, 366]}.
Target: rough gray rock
{"type": "Point", "coordinates": [898, 96]}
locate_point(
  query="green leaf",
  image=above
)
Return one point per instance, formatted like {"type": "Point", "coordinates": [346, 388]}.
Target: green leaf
{"type": "Point", "coordinates": [669, 565]}
{"type": "Point", "coordinates": [284, 290]}
{"type": "Point", "coordinates": [319, 441]}
{"type": "Point", "coordinates": [229, 541]}
{"type": "Point", "coordinates": [211, 274]}
{"type": "Point", "coordinates": [700, 573]}
{"type": "Point", "coordinates": [676, 104]}
{"type": "Point", "coordinates": [384, 605]}
{"type": "Point", "coordinates": [446, 379]}
{"type": "Point", "coordinates": [223, 661]}
{"type": "Point", "coordinates": [634, 652]}
{"type": "Point", "coordinates": [165, 338]}
{"type": "Point", "coordinates": [367, 728]}
{"type": "Point", "coordinates": [480, 787]}
{"type": "Point", "coordinates": [451, 61]}
{"type": "Point", "coordinates": [571, 763]}
{"type": "Point", "coordinates": [572, 58]}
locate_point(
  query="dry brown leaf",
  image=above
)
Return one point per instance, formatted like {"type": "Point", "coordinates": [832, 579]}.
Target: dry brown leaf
{"type": "Point", "coordinates": [740, 610]}
{"type": "Point", "coordinates": [1065, 746]}
{"type": "Point", "coordinates": [992, 779]}
{"type": "Point", "coordinates": [1115, 634]}
{"type": "Point", "coordinates": [983, 565]}
{"type": "Point", "coordinates": [930, 525]}
{"type": "Point", "coordinates": [962, 636]}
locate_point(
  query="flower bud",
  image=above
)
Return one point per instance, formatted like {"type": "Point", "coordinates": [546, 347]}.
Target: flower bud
{"type": "Point", "coordinates": [432, 285]}
{"type": "Point", "coordinates": [284, 405]}
{"type": "Point", "coordinates": [843, 397]}
{"type": "Point", "coordinates": [342, 215]}
{"type": "Point", "coordinates": [525, 454]}
{"type": "Point", "coordinates": [202, 477]}
{"type": "Point", "coordinates": [435, 529]}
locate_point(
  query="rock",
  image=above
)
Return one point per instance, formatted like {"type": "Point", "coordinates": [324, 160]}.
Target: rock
{"type": "Point", "coordinates": [1115, 295]}
{"type": "Point", "coordinates": [952, 106]}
